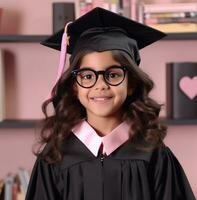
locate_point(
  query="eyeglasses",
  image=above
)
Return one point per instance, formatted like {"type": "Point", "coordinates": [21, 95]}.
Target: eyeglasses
{"type": "Point", "coordinates": [87, 77]}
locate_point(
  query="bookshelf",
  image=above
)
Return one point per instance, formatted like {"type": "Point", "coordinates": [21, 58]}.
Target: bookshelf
{"type": "Point", "coordinates": [39, 38]}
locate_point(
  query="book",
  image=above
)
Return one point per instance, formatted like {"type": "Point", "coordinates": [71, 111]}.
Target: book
{"type": "Point", "coordinates": [134, 9]}
{"type": "Point", "coordinates": [114, 6]}
{"type": "Point", "coordinates": [2, 87]}
{"type": "Point", "coordinates": [84, 6]}
{"type": "Point", "coordinates": [170, 15]}
{"type": "Point", "coordinates": [140, 13]}
{"type": "Point", "coordinates": [20, 194]}
{"type": "Point", "coordinates": [181, 90]}
{"type": "Point", "coordinates": [14, 191]}
{"type": "Point", "coordinates": [176, 27]}
{"type": "Point", "coordinates": [2, 189]}
{"type": "Point", "coordinates": [170, 7]}
{"type": "Point", "coordinates": [168, 20]}
{"type": "Point", "coordinates": [126, 11]}
{"type": "Point", "coordinates": [24, 179]}
{"type": "Point", "coordinates": [8, 187]}
{"type": "Point", "coordinates": [1, 186]}
{"type": "Point", "coordinates": [62, 14]}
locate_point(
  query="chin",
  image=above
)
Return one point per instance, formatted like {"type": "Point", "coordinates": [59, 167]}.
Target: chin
{"type": "Point", "coordinates": [105, 114]}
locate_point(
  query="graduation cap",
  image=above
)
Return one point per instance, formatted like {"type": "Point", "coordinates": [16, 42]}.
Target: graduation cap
{"type": "Point", "coordinates": [99, 22]}
{"type": "Point", "coordinates": [102, 30]}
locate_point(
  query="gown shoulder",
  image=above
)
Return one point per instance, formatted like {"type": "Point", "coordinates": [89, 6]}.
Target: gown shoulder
{"type": "Point", "coordinates": [169, 180]}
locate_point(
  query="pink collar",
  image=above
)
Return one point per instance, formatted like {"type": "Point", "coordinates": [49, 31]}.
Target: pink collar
{"type": "Point", "coordinates": [92, 140]}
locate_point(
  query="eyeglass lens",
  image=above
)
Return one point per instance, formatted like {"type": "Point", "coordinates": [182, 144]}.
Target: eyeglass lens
{"type": "Point", "coordinates": [88, 77]}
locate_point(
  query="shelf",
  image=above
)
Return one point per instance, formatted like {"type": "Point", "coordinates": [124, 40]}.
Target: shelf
{"type": "Point", "coordinates": [36, 123]}
{"type": "Point", "coordinates": [39, 38]}
{"type": "Point", "coordinates": [181, 36]}
{"type": "Point", "coordinates": [19, 124]}
{"type": "Point", "coordinates": [22, 38]}
{"type": "Point", "coordinates": [179, 121]}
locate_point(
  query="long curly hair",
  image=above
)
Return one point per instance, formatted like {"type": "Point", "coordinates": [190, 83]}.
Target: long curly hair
{"type": "Point", "coordinates": [139, 109]}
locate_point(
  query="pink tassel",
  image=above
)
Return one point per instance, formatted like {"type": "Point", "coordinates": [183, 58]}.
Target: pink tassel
{"type": "Point", "coordinates": [63, 55]}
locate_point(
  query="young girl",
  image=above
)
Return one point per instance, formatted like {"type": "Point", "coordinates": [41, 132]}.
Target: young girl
{"type": "Point", "coordinates": [104, 140]}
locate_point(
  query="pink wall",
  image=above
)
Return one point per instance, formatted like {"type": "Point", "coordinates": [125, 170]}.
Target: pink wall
{"type": "Point", "coordinates": [27, 17]}
{"type": "Point", "coordinates": [28, 66]}
{"type": "Point", "coordinates": [31, 70]}
{"type": "Point", "coordinates": [16, 150]}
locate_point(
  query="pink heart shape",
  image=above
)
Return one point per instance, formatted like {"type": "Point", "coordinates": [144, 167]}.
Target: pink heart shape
{"type": "Point", "coordinates": [189, 86]}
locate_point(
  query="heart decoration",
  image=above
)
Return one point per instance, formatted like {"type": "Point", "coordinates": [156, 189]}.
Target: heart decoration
{"type": "Point", "coordinates": [189, 86]}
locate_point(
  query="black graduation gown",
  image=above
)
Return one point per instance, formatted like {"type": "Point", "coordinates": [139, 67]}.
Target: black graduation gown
{"type": "Point", "coordinates": [126, 174]}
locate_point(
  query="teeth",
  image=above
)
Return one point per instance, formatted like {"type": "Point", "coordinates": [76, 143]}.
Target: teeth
{"type": "Point", "coordinates": [101, 98]}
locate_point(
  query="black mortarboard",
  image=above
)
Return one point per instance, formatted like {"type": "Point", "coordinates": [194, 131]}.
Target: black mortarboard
{"type": "Point", "coordinates": [102, 30]}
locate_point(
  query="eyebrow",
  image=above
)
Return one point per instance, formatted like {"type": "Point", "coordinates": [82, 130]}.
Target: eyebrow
{"type": "Point", "coordinates": [87, 67]}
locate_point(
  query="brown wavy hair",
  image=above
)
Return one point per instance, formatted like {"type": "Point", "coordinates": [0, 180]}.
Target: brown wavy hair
{"type": "Point", "coordinates": [138, 108]}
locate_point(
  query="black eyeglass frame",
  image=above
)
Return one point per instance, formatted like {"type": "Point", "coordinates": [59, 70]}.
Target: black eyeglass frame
{"type": "Point", "coordinates": [74, 73]}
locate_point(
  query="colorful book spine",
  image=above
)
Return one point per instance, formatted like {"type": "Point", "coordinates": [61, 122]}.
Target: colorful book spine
{"type": "Point", "coordinates": [14, 191]}
{"type": "Point", "coordinates": [170, 20]}
{"type": "Point", "coordinates": [170, 15]}
{"type": "Point", "coordinates": [84, 6]}
{"type": "Point", "coordinates": [170, 7]}
{"type": "Point", "coordinates": [14, 186]}
{"type": "Point", "coordinates": [2, 186]}
{"type": "Point", "coordinates": [114, 6]}
{"type": "Point", "coordinates": [140, 13]}
{"type": "Point", "coordinates": [126, 8]}
{"type": "Point", "coordinates": [24, 179]}
{"type": "Point", "coordinates": [134, 9]}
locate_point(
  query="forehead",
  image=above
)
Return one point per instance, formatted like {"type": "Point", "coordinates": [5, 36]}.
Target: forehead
{"type": "Point", "coordinates": [98, 60]}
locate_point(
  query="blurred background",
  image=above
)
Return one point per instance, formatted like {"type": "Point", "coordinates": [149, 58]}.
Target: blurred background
{"type": "Point", "coordinates": [28, 71]}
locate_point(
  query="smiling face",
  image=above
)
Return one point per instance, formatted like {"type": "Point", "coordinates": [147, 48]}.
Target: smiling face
{"type": "Point", "coordinates": [102, 100]}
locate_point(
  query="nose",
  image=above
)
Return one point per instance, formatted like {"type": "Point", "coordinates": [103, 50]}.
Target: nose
{"type": "Point", "coordinates": [100, 83]}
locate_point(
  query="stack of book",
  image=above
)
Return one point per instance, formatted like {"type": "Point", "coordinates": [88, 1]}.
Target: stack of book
{"type": "Point", "coordinates": [14, 187]}
{"type": "Point", "coordinates": [84, 6]}
{"type": "Point", "coordinates": [127, 8]}
{"type": "Point", "coordinates": [170, 17]}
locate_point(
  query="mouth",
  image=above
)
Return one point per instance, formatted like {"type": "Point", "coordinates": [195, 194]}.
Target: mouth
{"type": "Point", "coordinates": [100, 99]}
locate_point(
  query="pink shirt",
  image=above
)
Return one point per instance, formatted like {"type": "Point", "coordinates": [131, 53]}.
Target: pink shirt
{"type": "Point", "coordinates": [86, 134]}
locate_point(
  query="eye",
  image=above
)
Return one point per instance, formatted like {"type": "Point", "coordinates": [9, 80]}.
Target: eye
{"type": "Point", "coordinates": [113, 74]}
{"type": "Point", "coordinates": [86, 75]}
